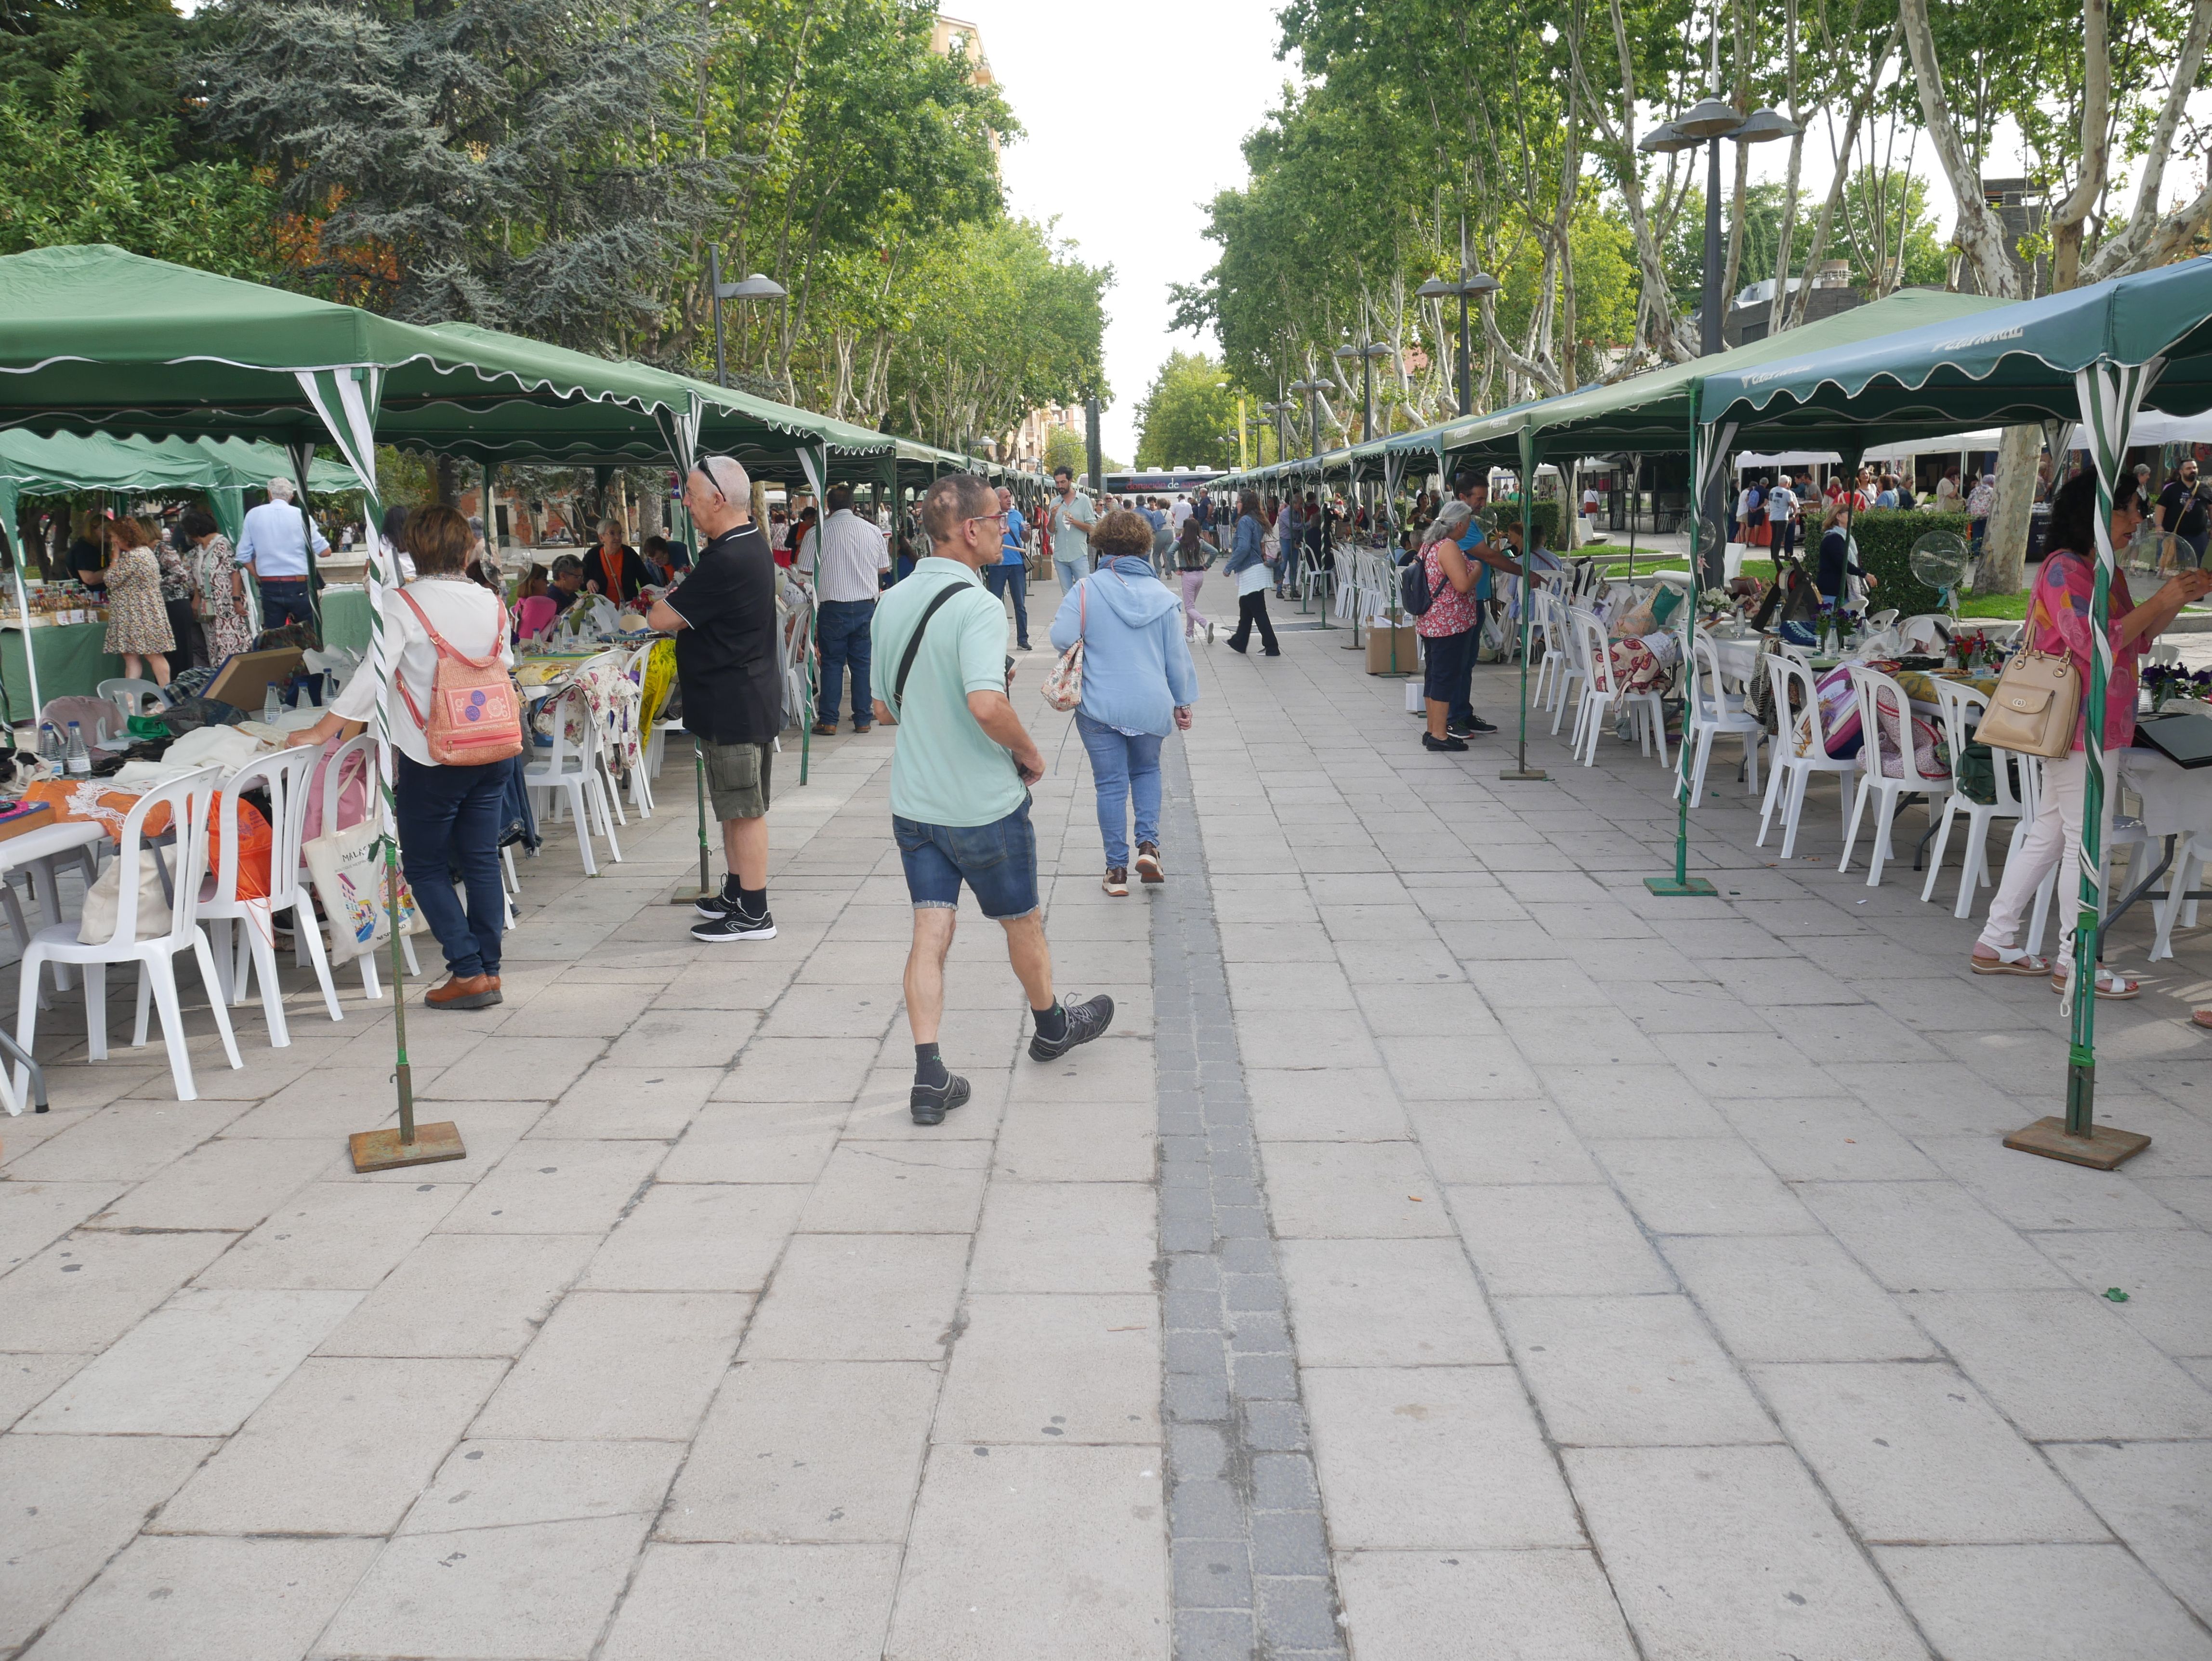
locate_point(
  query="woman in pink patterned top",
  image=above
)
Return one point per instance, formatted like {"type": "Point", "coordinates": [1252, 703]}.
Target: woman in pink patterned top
{"type": "Point", "coordinates": [2060, 614]}
{"type": "Point", "coordinates": [1448, 628]}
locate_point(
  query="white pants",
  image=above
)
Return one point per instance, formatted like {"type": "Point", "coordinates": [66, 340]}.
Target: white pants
{"type": "Point", "coordinates": [2054, 838]}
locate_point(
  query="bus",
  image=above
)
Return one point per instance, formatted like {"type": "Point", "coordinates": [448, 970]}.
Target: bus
{"type": "Point", "coordinates": [1159, 481]}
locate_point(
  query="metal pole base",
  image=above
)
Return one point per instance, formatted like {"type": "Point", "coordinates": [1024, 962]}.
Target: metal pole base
{"type": "Point", "coordinates": [382, 1150]}
{"type": "Point", "coordinates": [2103, 1149]}
{"type": "Point", "coordinates": [688, 894]}
{"type": "Point", "coordinates": [1680, 888]}
{"type": "Point", "coordinates": [1525, 775]}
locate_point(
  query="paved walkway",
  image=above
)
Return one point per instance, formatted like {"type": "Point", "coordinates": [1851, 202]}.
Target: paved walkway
{"type": "Point", "coordinates": [1452, 1251]}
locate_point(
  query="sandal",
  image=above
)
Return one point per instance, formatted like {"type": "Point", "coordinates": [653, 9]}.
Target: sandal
{"type": "Point", "coordinates": [2009, 960]}
{"type": "Point", "coordinates": [2111, 986]}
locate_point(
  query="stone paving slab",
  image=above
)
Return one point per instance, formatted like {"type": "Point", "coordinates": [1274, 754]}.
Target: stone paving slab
{"type": "Point", "coordinates": [1451, 1238]}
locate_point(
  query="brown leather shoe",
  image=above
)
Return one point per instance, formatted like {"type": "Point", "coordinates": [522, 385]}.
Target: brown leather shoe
{"type": "Point", "coordinates": [465, 992]}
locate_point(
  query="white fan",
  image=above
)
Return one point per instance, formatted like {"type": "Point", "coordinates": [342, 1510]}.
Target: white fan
{"type": "Point", "coordinates": [1941, 560]}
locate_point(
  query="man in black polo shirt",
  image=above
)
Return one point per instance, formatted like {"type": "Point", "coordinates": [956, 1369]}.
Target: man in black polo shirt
{"type": "Point", "coordinates": [2184, 507]}
{"type": "Point", "coordinates": [723, 616]}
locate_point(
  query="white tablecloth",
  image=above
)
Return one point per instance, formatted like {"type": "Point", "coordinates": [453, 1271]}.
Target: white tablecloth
{"type": "Point", "coordinates": [2175, 800]}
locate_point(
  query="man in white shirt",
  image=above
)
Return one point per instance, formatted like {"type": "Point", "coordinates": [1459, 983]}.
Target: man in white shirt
{"type": "Point", "coordinates": [274, 545]}
{"type": "Point", "coordinates": [845, 556]}
{"type": "Point", "coordinates": [1179, 512]}
{"type": "Point", "coordinates": [1782, 517]}
{"type": "Point", "coordinates": [1073, 517]}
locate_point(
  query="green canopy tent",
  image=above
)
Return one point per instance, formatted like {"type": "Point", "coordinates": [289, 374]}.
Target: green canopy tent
{"type": "Point", "coordinates": [66, 464]}
{"type": "Point", "coordinates": [96, 339]}
{"type": "Point", "coordinates": [2090, 355]}
{"type": "Point", "coordinates": [1653, 413]}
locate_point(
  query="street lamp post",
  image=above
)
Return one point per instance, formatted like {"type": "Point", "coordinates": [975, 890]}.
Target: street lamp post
{"type": "Point", "coordinates": [1706, 122]}
{"type": "Point", "coordinates": [755, 287]}
{"type": "Point", "coordinates": [1469, 283]}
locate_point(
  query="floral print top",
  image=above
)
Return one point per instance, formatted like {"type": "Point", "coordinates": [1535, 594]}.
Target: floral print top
{"type": "Point", "coordinates": [2061, 612]}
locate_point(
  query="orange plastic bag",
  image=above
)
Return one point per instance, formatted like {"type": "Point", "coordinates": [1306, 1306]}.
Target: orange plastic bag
{"type": "Point", "coordinates": [255, 844]}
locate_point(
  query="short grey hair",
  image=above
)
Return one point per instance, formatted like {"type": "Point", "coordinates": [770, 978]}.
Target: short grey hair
{"type": "Point", "coordinates": [1449, 522]}
{"type": "Point", "coordinates": [729, 477]}
{"type": "Point", "coordinates": [281, 489]}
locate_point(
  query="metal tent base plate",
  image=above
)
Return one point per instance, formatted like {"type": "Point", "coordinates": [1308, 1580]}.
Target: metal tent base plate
{"type": "Point", "coordinates": [2103, 1149]}
{"type": "Point", "coordinates": [382, 1150]}
{"type": "Point", "coordinates": [1524, 775]}
{"type": "Point", "coordinates": [1679, 889]}
{"type": "Point", "coordinates": [693, 895]}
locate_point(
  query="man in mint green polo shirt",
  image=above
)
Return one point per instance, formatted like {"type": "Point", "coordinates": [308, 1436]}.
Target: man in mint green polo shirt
{"type": "Point", "coordinates": [962, 763]}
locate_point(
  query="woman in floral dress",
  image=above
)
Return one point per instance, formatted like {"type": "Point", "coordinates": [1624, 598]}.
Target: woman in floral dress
{"type": "Point", "coordinates": [137, 623]}
{"type": "Point", "coordinates": [218, 590]}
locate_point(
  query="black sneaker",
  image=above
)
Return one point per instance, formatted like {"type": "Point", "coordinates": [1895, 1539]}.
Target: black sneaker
{"type": "Point", "coordinates": [1429, 741]}
{"type": "Point", "coordinates": [930, 1104]}
{"type": "Point", "coordinates": [1085, 1021]}
{"type": "Point", "coordinates": [1482, 726]}
{"type": "Point", "coordinates": [735, 925]}
{"type": "Point", "coordinates": [1454, 729]}
{"type": "Point", "coordinates": [713, 907]}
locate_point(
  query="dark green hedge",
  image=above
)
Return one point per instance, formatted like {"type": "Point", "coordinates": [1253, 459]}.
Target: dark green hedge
{"type": "Point", "coordinates": [1544, 516]}
{"type": "Point", "coordinates": [1886, 536]}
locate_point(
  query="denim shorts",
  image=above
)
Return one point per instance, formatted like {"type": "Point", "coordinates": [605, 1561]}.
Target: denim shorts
{"type": "Point", "coordinates": [998, 861]}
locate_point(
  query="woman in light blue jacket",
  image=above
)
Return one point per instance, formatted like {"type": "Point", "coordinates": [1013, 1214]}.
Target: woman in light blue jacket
{"type": "Point", "coordinates": [1138, 687]}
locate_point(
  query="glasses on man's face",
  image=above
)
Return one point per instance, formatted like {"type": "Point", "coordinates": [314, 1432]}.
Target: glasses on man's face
{"type": "Point", "coordinates": [987, 518]}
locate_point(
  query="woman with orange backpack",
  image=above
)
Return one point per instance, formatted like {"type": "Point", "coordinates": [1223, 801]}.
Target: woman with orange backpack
{"type": "Point", "coordinates": [456, 728]}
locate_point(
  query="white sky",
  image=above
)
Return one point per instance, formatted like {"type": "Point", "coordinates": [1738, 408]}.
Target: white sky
{"type": "Point", "coordinates": [1134, 114]}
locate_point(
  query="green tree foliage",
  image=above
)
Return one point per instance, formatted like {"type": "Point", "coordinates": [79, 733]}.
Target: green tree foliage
{"type": "Point", "coordinates": [1063, 448]}
{"type": "Point", "coordinates": [524, 164]}
{"type": "Point", "coordinates": [124, 184]}
{"type": "Point", "coordinates": [1182, 418]}
{"type": "Point", "coordinates": [124, 53]}
{"type": "Point", "coordinates": [998, 319]}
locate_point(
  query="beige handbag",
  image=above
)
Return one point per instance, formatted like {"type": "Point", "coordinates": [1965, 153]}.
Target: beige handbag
{"type": "Point", "coordinates": [2037, 702]}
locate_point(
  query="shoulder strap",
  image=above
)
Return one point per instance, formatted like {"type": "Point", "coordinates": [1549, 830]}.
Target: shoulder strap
{"type": "Point", "coordinates": [438, 640]}
{"type": "Point", "coordinates": [913, 645]}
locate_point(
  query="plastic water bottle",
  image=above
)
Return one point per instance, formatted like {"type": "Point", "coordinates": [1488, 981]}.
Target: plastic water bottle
{"type": "Point", "coordinates": [79, 761]}
{"type": "Point", "coordinates": [272, 704]}
{"type": "Point", "coordinates": [51, 751]}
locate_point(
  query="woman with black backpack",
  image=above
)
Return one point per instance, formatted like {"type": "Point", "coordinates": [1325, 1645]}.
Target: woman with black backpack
{"type": "Point", "coordinates": [1443, 577]}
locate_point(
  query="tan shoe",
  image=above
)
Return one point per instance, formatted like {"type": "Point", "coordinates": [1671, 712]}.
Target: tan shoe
{"type": "Point", "coordinates": [1117, 882]}
{"type": "Point", "coordinates": [465, 992]}
{"type": "Point", "coordinates": [1148, 864]}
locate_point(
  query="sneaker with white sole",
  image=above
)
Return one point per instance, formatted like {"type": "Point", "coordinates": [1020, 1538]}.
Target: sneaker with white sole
{"type": "Point", "coordinates": [1148, 863]}
{"type": "Point", "coordinates": [735, 924]}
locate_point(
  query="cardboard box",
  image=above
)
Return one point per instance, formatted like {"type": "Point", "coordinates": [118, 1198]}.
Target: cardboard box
{"type": "Point", "coordinates": [245, 679]}
{"type": "Point", "coordinates": [1382, 641]}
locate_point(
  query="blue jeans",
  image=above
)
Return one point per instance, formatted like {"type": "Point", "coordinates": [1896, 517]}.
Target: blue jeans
{"type": "Point", "coordinates": [1071, 572]}
{"type": "Point", "coordinates": [998, 861]}
{"type": "Point", "coordinates": [285, 599]}
{"type": "Point", "coordinates": [1121, 766]}
{"type": "Point", "coordinates": [841, 630]}
{"type": "Point", "coordinates": [1013, 579]}
{"type": "Point", "coordinates": [449, 820]}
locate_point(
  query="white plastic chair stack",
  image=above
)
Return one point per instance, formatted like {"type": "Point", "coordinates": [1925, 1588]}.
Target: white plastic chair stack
{"type": "Point", "coordinates": [2192, 853]}
{"type": "Point", "coordinates": [1960, 704]}
{"type": "Point", "coordinates": [1884, 743]}
{"type": "Point", "coordinates": [1602, 691]}
{"type": "Point", "coordinates": [1710, 711]}
{"type": "Point", "coordinates": [573, 776]}
{"type": "Point", "coordinates": [1789, 768]}
{"type": "Point", "coordinates": [188, 800]}
{"type": "Point", "coordinates": [247, 948]}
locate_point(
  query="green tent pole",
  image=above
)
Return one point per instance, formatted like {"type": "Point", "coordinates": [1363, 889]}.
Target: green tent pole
{"type": "Point", "coordinates": [1530, 454]}
{"type": "Point", "coordinates": [2109, 395]}
{"type": "Point", "coordinates": [1682, 885]}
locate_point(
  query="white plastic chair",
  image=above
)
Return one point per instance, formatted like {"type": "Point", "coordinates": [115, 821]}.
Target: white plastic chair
{"type": "Point", "coordinates": [364, 745]}
{"type": "Point", "coordinates": [573, 776]}
{"type": "Point", "coordinates": [1961, 704]}
{"type": "Point", "coordinates": [247, 950]}
{"type": "Point", "coordinates": [1877, 691]}
{"type": "Point", "coordinates": [2191, 855]}
{"type": "Point", "coordinates": [1917, 633]}
{"type": "Point", "coordinates": [130, 696]}
{"type": "Point", "coordinates": [1575, 673]}
{"type": "Point", "coordinates": [1602, 691]}
{"type": "Point", "coordinates": [1796, 690]}
{"type": "Point", "coordinates": [1709, 711]}
{"type": "Point", "coordinates": [188, 799]}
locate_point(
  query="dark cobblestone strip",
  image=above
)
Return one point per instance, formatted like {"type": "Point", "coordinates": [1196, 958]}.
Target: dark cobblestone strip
{"type": "Point", "coordinates": [1251, 1565]}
